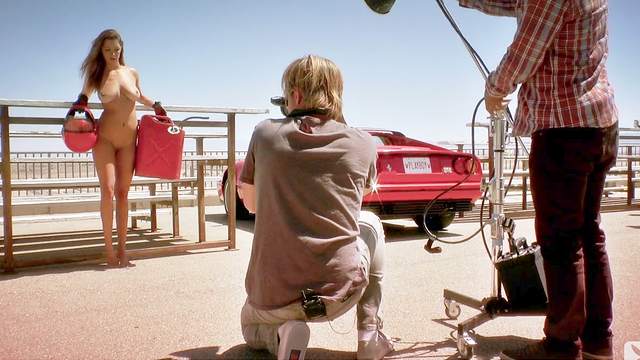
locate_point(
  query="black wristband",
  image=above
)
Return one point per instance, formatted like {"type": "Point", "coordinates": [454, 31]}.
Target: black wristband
{"type": "Point", "coordinates": [82, 99]}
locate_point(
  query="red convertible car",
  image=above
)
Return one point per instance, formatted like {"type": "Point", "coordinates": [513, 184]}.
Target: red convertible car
{"type": "Point", "coordinates": [411, 173]}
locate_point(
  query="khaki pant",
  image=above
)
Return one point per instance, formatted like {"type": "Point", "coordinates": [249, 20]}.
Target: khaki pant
{"type": "Point", "coordinates": [260, 327]}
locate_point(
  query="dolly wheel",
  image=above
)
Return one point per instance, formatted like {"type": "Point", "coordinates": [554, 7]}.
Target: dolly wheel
{"type": "Point", "coordinates": [451, 309]}
{"type": "Point", "coordinates": [466, 352]}
{"type": "Point", "coordinates": [465, 348]}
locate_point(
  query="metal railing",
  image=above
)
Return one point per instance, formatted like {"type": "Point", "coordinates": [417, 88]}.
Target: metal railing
{"type": "Point", "coordinates": [81, 168]}
{"type": "Point", "coordinates": [624, 177]}
{"type": "Point", "coordinates": [60, 167]}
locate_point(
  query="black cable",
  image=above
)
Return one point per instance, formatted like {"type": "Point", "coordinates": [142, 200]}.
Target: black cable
{"type": "Point", "coordinates": [485, 72]}
{"type": "Point", "coordinates": [473, 51]}
{"type": "Point", "coordinates": [431, 235]}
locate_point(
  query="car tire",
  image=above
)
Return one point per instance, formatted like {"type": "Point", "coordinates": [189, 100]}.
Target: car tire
{"type": "Point", "coordinates": [241, 211]}
{"type": "Point", "coordinates": [435, 222]}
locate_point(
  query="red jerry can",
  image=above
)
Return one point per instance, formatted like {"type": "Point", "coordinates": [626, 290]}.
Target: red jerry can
{"type": "Point", "coordinates": [159, 148]}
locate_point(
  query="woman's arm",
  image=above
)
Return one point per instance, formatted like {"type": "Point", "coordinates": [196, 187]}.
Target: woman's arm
{"type": "Point", "coordinates": [87, 90]}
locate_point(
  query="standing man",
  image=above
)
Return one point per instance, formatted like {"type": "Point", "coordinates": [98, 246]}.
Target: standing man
{"type": "Point", "coordinates": [315, 255]}
{"type": "Point", "coordinates": [566, 105]}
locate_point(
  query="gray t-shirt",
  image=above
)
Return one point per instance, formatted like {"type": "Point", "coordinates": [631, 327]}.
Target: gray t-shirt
{"type": "Point", "coordinates": [309, 189]}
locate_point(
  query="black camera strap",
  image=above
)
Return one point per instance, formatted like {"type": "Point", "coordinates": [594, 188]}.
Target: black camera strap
{"type": "Point", "coordinates": [308, 112]}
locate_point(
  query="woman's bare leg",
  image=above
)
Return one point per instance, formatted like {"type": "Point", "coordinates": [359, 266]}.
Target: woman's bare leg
{"type": "Point", "coordinates": [125, 158]}
{"type": "Point", "coordinates": [104, 160]}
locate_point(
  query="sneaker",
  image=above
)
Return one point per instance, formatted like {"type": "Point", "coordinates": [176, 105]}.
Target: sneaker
{"type": "Point", "coordinates": [541, 350]}
{"type": "Point", "coordinates": [293, 340]}
{"type": "Point", "coordinates": [375, 348]}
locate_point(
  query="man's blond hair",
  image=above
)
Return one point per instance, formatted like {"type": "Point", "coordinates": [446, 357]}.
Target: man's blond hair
{"type": "Point", "coordinates": [319, 81]}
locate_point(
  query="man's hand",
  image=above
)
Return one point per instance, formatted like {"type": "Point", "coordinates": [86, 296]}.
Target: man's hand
{"type": "Point", "coordinates": [494, 104]}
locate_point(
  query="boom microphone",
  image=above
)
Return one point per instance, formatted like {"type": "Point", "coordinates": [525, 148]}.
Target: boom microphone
{"type": "Point", "coordinates": [380, 6]}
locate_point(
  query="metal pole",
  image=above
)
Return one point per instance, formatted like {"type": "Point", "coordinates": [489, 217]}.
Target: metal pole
{"type": "Point", "coordinates": [630, 187]}
{"type": "Point", "coordinates": [498, 124]}
{"type": "Point", "coordinates": [231, 179]}
{"type": "Point", "coordinates": [200, 184]}
{"type": "Point", "coordinates": [6, 190]}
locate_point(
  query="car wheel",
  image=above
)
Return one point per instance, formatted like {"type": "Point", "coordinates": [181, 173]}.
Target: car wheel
{"type": "Point", "coordinates": [241, 212]}
{"type": "Point", "coordinates": [435, 222]}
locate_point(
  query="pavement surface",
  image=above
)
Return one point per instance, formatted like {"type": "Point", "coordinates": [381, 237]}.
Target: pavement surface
{"type": "Point", "coordinates": [188, 306]}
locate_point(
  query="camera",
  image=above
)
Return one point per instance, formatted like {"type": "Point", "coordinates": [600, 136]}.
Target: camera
{"type": "Point", "coordinates": [312, 304]}
{"type": "Point", "coordinates": [281, 102]}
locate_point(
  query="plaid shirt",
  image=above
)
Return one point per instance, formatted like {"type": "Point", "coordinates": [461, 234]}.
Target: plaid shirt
{"type": "Point", "coordinates": [558, 54]}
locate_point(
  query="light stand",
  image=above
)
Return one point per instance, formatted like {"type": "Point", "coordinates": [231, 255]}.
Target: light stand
{"type": "Point", "coordinates": [514, 269]}
{"type": "Point", "coordinates": [494, 305]}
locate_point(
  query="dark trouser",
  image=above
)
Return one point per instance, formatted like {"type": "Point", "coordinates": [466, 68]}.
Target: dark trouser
{"type": "Point", "coordinates": [568, 168]}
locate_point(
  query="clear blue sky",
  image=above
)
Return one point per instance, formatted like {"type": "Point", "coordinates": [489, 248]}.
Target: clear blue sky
{"type": "Point", "coordinates": [404, 71]}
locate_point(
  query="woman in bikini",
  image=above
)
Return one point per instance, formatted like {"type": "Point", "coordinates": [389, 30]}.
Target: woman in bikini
{"type": "Point", "coordinates": [118, 87]}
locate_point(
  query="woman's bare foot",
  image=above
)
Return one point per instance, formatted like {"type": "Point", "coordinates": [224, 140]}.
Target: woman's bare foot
{"type": "Point", "coordinates": [112, 261]}
{"type": "Point", "coordinates": [124, 261]}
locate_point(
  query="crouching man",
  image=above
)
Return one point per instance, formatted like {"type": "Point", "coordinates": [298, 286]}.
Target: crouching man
{"type": "Point", "coordinates": [315, 255]}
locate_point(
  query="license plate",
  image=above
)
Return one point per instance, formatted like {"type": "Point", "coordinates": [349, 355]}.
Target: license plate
{"type": "Point", "coordinates": [417, 165]}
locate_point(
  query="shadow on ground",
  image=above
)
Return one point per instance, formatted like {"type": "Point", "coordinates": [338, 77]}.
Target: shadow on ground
{"type": "Point", "coordinates": [398, 232]}
{"type": "Point", "coordinates": [51, 269]}
{"type": "Point", "coordinates": [136, 238]}
{"type": "Point", "coordinates": [423, 349]}
{"type": "Point", "coordinates": [244, 352]}
{"type": "Point", "coordinates": [490, 347]}
{"type": "Point", "coordinates": [221, 219]}
{"type": "Point", "coordinates": [487, 348]}
{"type": "Point", "coordinates": [73, 251]}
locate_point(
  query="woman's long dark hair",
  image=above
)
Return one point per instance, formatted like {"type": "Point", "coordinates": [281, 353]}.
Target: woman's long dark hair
{"type": "Point", "coordinates": [93, 65]}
